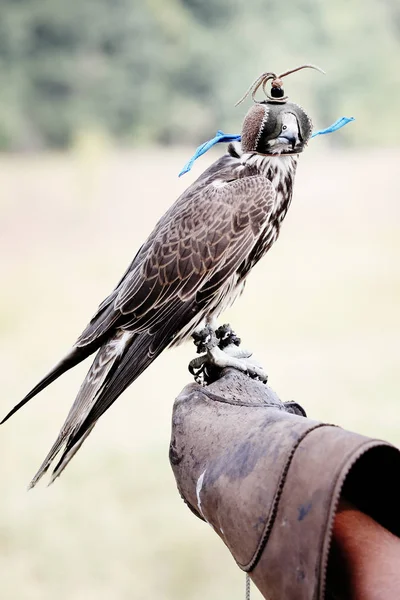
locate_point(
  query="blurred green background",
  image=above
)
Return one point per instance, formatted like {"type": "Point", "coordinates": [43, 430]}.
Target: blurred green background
{"type": "Point", "coordinates": [101, 104]}
{"type": "Point", "coordinates": [169, 72]}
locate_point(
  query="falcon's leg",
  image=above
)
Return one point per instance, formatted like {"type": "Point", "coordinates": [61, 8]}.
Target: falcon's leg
{"type": "Point", "coordinates": [222, 350]}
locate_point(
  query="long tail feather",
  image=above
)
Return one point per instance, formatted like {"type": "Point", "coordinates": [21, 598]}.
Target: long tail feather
{"type": "Point", "coordinates": [75, 356]}
{"type": "Point", "coordinates": [52, 454]}
{"type": "Point", "coordinates": [54, 450]}
{"type": "Point", "coordinates": [144, 349]}
{"type": "Point", "coordinates": [104, 363]}
{"type": "Point", "coordinates": [116, 365]}
{"type": "Point", "coordinates": [65, 459]}
{"type": "Point", "coordinates": [135, 360]}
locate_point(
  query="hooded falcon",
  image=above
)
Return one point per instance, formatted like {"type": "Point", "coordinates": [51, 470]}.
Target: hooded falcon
{"type": "Point", "coordinates": [192, 266]}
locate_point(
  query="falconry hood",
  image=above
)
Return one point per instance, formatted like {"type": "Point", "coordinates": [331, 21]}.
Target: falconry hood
{"type": "Point", "coordinates": [275, 125]}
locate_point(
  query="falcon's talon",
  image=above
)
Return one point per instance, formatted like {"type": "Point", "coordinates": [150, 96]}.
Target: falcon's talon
{"type": "Point", "coordinates": [199, 375]}
{"type": "Point", "coordinates": [203, 370]}
{"type": "Point", "coordinates": [197, 364]}
{"type": "Point", "coordinates": [209, 365]}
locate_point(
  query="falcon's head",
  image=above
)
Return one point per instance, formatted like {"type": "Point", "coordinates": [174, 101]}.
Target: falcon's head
{"type": "Point", "coordinates": [276, 128]}
{"type": "Point", "coordinates": [274, 125]}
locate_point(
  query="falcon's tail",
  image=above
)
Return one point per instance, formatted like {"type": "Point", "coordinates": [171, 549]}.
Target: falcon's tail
{"type": "Point", "coordinates": [74, 357]}
{"type": "Point", "coordinates": [117, 364]}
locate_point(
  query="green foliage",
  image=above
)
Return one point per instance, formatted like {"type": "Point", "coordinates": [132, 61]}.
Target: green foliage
{"type": "Point", "coordinates": [170, 72]}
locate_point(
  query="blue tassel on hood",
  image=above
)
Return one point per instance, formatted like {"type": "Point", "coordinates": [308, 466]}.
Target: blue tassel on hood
{"type": "Point", "coordinates": [220, 136]}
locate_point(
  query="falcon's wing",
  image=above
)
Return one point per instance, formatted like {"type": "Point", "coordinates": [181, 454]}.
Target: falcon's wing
{"type": "Point", "coordinates": [192, 255]}
{"type": "Point", "coordinates": [194, 249]}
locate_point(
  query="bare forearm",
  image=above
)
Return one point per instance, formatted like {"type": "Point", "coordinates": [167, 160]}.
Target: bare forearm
{"type": "Point", "coordinates": [365, 558]}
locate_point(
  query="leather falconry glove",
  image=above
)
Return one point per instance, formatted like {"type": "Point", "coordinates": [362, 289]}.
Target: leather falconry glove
{"type": "Point", "coordinates": [268, 480]}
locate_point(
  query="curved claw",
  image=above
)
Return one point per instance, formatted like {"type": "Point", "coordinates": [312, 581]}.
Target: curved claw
{"type": "Point", "coordinates": [197, 365]}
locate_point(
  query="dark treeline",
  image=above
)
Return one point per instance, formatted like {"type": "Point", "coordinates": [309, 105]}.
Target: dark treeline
{"type": "Point", "coordinates": [170, 71]}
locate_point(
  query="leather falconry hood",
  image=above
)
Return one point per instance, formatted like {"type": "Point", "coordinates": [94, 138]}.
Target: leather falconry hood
{"type": "Point", "coordinates": [263, 121]}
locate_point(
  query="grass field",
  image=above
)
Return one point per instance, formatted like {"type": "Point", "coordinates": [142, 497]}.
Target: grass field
{"type": "Point", "coordinates": [320, 312]}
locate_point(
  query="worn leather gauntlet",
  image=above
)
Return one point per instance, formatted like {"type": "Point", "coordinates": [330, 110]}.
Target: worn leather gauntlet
{"type": "Point", "coordinates": [268, 480]}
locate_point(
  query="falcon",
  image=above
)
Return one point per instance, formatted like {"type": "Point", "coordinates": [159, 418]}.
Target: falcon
{"type": "Point", "coordinates": [192, 266]}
